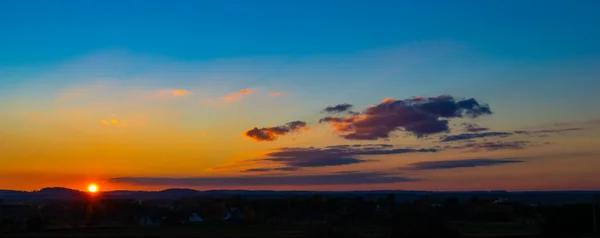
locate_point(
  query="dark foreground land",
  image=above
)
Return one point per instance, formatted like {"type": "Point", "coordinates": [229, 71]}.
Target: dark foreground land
{"type": "Point", "coordinates": [474, 230]}
{"type": "Point", "coordinates": [299, 215]}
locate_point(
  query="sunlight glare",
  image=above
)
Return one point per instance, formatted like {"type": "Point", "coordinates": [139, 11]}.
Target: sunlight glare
{"type": "Point", "coordinates": [93, 188]}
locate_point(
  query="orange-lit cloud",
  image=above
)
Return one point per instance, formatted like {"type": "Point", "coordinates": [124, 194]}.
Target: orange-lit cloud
{"type": "Point", "coordinates": [236, 95]}
{"type": "Point", "coordinates": [273, 132]}
{"type": "Point", "coordinates": [172, 93]}
{"type": "Point", "coordinates": [229, 98]}
{"type": "Point", "coordinates": [277, 94]}
{"type": "Point", "coordinates": [114, 122]}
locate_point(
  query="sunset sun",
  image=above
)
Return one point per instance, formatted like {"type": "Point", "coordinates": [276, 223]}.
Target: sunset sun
{"type": "Point", "coordinates": [93, 188]}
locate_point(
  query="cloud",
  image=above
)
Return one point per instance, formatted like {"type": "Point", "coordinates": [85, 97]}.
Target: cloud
{"type": "Point", "coordinates": [277, 94]}
{"type": "Point", "coordinates": [468, 163]}
{"type": "Point", "coordinates": [548, 131]}
{"type": "Point", "coordinates": [172, 93]}
{"type": "Point", "coordinates": [271, 169]}
{"type": "Point", "coordinates": [231, 97]}
{"type": "Point", "coordinates": [493, 146]}
{"type": "Point", "coordinates": [419, 116]}
{"type": "Point", "coordinates": [594, 121]}
{"type": "Point", "coordinates": [333, 155]}
{"type": "Point", "coordinates": [272, 133]}
{"type": "Point", "coordinates": [293, 180]}
{"type": "Point", "coordinates": [113, 122]}
{"type": "Point", "coordinates": [338, 108]}
{"type": "Point", "coordinates": [468, 136]}
{"type": "Point", "coordinates": [472, 127]}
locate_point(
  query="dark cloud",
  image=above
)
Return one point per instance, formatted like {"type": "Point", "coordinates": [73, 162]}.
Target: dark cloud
{"type": "Point", "coordinates": [469, 136]}
{"type": "Point", "coordinates": [595, 121]}
{"type": "Point", "coordinates": [539, 133]}
{"type": "Point", "coordinates": [241, 181]}
{"type": "Point", "coordinates": [333, 155]}
{"type": "Point", "coordinates": [318, 162]}
{"type": "Point", "coordinates": [271, 169]}
{"type": "Point", "coordinates": [347, 172]}
{"type": "Point", "coordinates": [338, 108]}
{"type": "Point", "coordinates": [468, 163]}
{"type": "Point", "coordinates": [549, 131]}
{"type": "Point", "coordinates": [271, 133]}
{"type": "Point", "coordinates": [370, 146]}
{"type": "Point", "coordinates": [472, 127]}
{"type": "Point", "coordinates": [492, 146]}
{"type": "Point", "coordinates": [418, 116]}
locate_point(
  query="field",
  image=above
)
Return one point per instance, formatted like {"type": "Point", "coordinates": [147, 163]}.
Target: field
{"type": "Point", "coordinates": [496, 229]}
{"type": "Point", "coordinates": [468, 229]}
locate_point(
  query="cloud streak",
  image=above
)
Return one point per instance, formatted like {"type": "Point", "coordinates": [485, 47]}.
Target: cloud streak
{"type": "Point", "coordinates": [278, 94]}
{"type": "Point", "coordinates": [229, 98]}
{"type": "Point", "coordinates": [293, 180]}
{"type": "Point", "coordinates": [333, 155]}
{"type": "Point", "coordinates": [468, 163]}
{"type": "Point", "coordinates": [493, 146]}
{"type": "Point", "coordinates": [172, 93]}
{"type": "Point", "coordinates": [418, 116]}
{"type": "Point", "coordinates": [236, 95]}
{"type": "Point", "coordinates": [469, 136]}
{"type": "Point", "coordinates": [549, 131]}
{"type": "Point", "coordinates": [271, 169]}
{"type": "Point", "coordinates": [272, 133]}
{"type": "Point", "coordinates": [472, 127]}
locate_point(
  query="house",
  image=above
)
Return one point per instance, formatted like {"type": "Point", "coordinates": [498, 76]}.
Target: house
{"type": "Point", "coordinates": [194, 218]}
{"type": "Point", "coordinates": [233, 214]}
{"type": "Point", "coordinates": [147, 221]}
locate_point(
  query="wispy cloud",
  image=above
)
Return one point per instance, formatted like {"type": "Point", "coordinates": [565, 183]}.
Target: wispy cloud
{"type": "Point", "coordinates": [290, 180]}
{"type": "Point", "coordinates": [493, 146]}
{"type": "Point", "coordinates": [113, 122]}
{"type": "Point", "coordinates": [558, 130]}
{"type": "Point", "coordinates": [278, 94]}
{"type": "Point", "coordinates": [467, 163]}
{"type": "Point", "coordinates": [271, 169]}
{"type": "Point", "coordinates": [473, 127]}
{"type": "Point", "coordinates": [172, 93]}
{"type": "Point", "coordinates": [229, 98]}
{"type": "Point", "coordinates": [469, 136]}
{"type": "Point", "coordinates": [236, 95]}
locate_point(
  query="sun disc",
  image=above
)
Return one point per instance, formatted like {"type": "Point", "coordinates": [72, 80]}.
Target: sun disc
{"type": "Point", "coordinates": [92, 188]}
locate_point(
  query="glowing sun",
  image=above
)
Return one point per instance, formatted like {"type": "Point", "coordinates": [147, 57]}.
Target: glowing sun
{"type": "Point", "coordinates": [92, 188]}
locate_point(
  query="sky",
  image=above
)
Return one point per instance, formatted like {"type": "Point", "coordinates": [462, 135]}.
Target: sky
{"type": "Point", "coordinates": [300, 95]}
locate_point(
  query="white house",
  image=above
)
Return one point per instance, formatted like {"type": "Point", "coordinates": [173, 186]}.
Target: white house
{"type": "Point", "coordinates": [194, 218]}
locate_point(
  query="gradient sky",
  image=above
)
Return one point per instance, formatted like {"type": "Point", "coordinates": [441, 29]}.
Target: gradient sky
{"type": "Point", "coordinates": [199, 94]}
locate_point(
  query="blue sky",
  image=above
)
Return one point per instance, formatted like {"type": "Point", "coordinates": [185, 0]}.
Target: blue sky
{"type": "Point", "coordinates": [208, 71]}
{"type": "Point", "coordinates": [49, 31]}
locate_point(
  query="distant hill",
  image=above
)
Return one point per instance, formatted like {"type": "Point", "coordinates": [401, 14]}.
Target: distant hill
{"type": "Point", "coordinates": [45, 193]}
{"type": "Point", "coordinates": [550, 197]}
